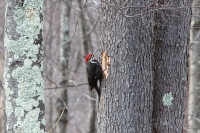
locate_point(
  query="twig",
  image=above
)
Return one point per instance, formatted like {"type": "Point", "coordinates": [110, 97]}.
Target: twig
{"type": "Point", "coordinates": [143, 13]}
{"type": "Point", "coordinates": [57, 120]}
{"type": "Point", "coordinates": [2, 109]}
{"type": "Point", "coordinates": [86, 96]}
{"type": "Point", "coordinates": [60, 99]}
{"type": "Point", "coordinates": [82, 10]}
{"type": "Point", "coordinates": [60, 87]}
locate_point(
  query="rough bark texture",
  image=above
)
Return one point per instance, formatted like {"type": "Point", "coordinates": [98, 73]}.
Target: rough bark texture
{"type": "Point", "coordinates": [194, 69]}
{"type": "Point", "coordinates": [171, 38]}
{"type": "Point", "coordinates": [92, 115]}
{"type": "Point", "coordinates": [64, 61]}
{"type": "Point", "coordinates": [24, 88]}
{"type": "Point", "coordinates": [126, 102]}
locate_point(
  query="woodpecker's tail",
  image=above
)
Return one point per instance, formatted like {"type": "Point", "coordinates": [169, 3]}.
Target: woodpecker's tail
{"type": "Point", "coordinates": [98, 92]}
{"type": "Point", "coordinates": [98, 88]}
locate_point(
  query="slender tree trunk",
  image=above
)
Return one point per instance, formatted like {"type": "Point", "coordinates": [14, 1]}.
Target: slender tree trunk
{"type": "Point", "coordinates": [126, 103]}
{"type": "Point", "coordinates": [86, 49]}
{"type": "Point", "coordinates": [171, 38]}
{"type": "Point", "coordinates": [24, 88]}
{"type": "Point", "coordinates": [2, 111]}
{"type": "Point", "coordinates": [64, 61]}
{"type": "Point", "coordinates": [194, 69]}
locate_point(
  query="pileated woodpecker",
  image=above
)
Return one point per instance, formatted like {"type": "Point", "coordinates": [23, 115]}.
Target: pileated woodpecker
{"type": "Point", "coordinates": [95, 74]}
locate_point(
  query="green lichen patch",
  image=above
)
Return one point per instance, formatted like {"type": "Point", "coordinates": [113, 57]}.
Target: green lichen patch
{"type": "Point", "coordinates": [9, 108]}
{"type": "Point", "coordinates": [35, 4]}
{"type": "Point", "coordinates": [22, 47]}
{"type": "Point", "coordinates": [8, 91]}
{"type": "Point", "coordinates": [28, 104]}
{"type": "Point", "coordinates": [30, 123]}
{"type": "Point", "coordinates": [19, 112]}
{"type": "Point", "coordinates": [167, 99]}
{"type": "Point", "coordinates": [28, 86]}
{"type": "Point", "coordinates": [19, 16]}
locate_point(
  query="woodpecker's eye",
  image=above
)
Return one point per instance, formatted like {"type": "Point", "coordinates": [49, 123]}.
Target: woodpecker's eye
{"type": "Point", "coordinates": [89, 57]}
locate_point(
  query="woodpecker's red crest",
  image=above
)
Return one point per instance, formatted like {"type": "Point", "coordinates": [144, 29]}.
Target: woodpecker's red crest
{"type": "Point", "coordinates": [88, 57]}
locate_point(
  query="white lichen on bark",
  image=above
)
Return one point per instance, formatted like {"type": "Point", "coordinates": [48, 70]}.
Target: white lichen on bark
{"type": "Point", "coordinates": [23, 66]}
{"type": "Point", "coordinates": [167, 99]}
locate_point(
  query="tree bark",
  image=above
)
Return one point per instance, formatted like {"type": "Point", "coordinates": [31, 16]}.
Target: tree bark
{"type": "Point", "coordinates": [126, 102]}
{"type": "Point", "coordinates": [64, 61]}
{"type": "Point", "coordinates": [171, 38]}
{"type": "Point", "coordinates": [23, 45]}
{"type": "Point", "coordinates": [194, 69]}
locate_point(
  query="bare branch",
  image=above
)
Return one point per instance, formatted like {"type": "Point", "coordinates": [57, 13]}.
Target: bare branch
{"type": "Point", "coordinates": [64, 87]}
{"type": "Point", "coordinates": [2, 109]}
{"type": "Point", "coordinates": [143, 13]}
{"type": "Point", "coordinates": [57, 120]}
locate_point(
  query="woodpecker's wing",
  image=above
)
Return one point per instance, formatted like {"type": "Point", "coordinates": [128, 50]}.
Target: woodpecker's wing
{"type": "Point", "coordinates": [98, 74]}
{"type": "Point", "coordinates": [91, 74]}
{"type": "Point", "coordinates": [98, 70]}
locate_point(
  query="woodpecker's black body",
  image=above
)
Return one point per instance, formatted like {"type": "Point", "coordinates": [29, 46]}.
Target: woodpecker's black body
{"type": "Point", "coordinates": [95, 76]}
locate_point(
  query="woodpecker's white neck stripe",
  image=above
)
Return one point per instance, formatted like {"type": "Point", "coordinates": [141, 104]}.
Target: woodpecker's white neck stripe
{"type": "Point", "coordinates": [93, 62]}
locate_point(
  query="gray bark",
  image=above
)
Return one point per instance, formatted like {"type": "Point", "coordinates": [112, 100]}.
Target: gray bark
{"type": "Point", "coordinates": [86, 40]}
{"type": "Point", "coordinates": [194, 69]}
{"type": "Point", "coordinates": [64, 61]}
{"type": "Point", "coordinates": [171, 39]}
{"type": "Point", "coordinates": [2, 112]}
{"type": "Point", "coordinates": [126, 102]}
{"type": "Point", "coordinates": [23, 45]}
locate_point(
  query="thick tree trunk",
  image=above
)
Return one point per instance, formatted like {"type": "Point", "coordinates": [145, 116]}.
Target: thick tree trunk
{"type": "Point", "coordinates": [64, 61]}
{"type": "Point", "coordinates": [126, 102]}
{"type": "Point", "coordinates": [86, 40]}
{"type": "Point", "coordinates": [194, 69]}
{"type": "Point", "coordinates": [171, 38]}
{"type": "Point", "coordinates": [24, 88]}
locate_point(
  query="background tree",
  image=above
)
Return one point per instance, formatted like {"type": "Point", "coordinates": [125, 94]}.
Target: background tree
{"type": "Point", "coordinates": [78, 94]}
{"type": "Point", "coordinates": [2, 99]}
{"type": "Point", "coordinates": [87, 48]}
{"type": "Point", "coordinates": [194, 69]}
{"type": "Point", "coordinates": [171, 39]}
{"type": "Point", "coordinates": [126, 101]}
{"type": "Point", "coordinates": [24, 87]}
{"type": "Point", "coordinates": [62, 100]}
{"type": "Point", "coordinates": [51, 58]}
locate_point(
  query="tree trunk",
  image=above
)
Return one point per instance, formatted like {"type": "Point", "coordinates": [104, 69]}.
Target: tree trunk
{"type": "Point", "coordinates": [64, 61]}
{"type": "Point", "coordinates": [126, 102]}
{"type": "Point", "coordinates": [24, 88]}
{"type": "Point", "coordinates": [171, 38]}
{"type": "Point", "coordinates": [92, 118]}
{"type": "Point", "coordinates": [194, 69]}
